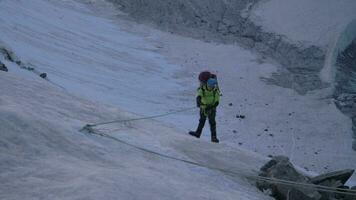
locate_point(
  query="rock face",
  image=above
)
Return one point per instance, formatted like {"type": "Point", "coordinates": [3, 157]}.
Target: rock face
{"type": "Point", "coordinates": [341, 176]}
{"type": "Point", "coordinates": [281, 168]}
{"type": "Point", "coordinates": [345, 89]}
{"type": "Point", "coordinates": [346, 62]}
{"type": "Point", "coordinates": [228, 21]}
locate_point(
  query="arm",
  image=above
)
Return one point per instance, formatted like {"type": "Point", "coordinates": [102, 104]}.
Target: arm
{"type": "Point", "coordinates": [199, 96]}
{"type": "Point", "coordinates": [198, 101]}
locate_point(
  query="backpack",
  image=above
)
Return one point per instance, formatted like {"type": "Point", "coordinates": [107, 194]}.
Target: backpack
{"type": "Point", "coordinates": [204, 77]}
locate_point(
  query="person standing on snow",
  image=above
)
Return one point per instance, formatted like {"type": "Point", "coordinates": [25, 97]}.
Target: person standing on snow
{"type": "Point", "coordinates": [208, 98]}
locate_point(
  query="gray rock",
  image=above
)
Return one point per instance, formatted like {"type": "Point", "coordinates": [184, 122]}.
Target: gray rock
{"type": "Point", "coordinates": [295, 194]}
{"type": "Point", "coordinates": [351, 196]}
{"type": "Point", "coordinates": [9, 55]}
{"type": "Point", "coordinates": [341, 176]}
{"type": "Point", "coordinates": [280, 167]}
{"type": "Point", "coordinates": [43, 75]}
{"type": "Point", "coordinates": [354, 145]}
{"type": "Point", "coordinates": [3, 67]}
{"type": "Point", "coordinates": [333, 184]}
{"type": "Point", "coordinates": [345, 84]}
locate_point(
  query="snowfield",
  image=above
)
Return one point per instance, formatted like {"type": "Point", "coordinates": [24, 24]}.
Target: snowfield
{"type": "Point", "coordinates": [103, 67]}
{"type": "Point", "coordinates": [44, 156]}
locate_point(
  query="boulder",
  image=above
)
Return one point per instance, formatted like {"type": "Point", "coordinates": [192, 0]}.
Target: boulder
{"type": "Point", "coordinates": [280, 167]}
{"type": "Point", "coordinates": [351, 196]}
{"type": "Point", "coordinates": [330, 195]}
{"type": "Point", "coordinates": [341, 176]}
{"type": "Point", "coordinates": [295, 194]}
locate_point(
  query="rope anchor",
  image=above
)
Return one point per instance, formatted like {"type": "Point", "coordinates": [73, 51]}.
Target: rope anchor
{"type": "Point", "coordinates": [87, 128]}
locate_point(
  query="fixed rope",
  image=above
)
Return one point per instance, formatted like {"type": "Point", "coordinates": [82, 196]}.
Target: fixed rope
{"type": "Point", "coordinates": [251, 177]}
{"type": "Point", "coordinates": [89, 127]}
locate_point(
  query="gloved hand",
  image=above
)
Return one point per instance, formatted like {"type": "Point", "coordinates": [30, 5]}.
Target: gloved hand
{"type": "Point", "coordinates": [199, 104]}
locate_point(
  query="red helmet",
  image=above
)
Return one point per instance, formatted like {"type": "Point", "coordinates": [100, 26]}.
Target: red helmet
{"type": "Point", "coordinates": [204, 76]}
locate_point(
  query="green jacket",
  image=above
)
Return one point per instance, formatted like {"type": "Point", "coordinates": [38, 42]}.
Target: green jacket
{"type": "Point", "coordinates": [206, 97]}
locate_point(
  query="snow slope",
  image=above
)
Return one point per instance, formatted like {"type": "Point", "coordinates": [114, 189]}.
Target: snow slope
{"type": "Point", "coordinates": [44, 156]}
{"type": "Point", "coordinates": [99, 56]}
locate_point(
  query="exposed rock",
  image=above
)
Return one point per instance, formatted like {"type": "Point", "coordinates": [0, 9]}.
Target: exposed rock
{"type": "Point", "coordinates": [350, 197]}
{"type": "Point", "coordinates": [280, 167]}
{"type": "Point", "coordinates": [8, 55]}
{"type": "Point", "coordinates": [295, 194]}
{"type": "Point", "coordinates": [345, 68]}
{"type": "Point", "coordinates": [331, 183]}
{"type": "Point", "coordinates": [341, 176]}
{"type": "Point", "coordinates": [345, 84]}
{"type": "Point", "coordinates": [3, 67]}
{"type": "Point", "coordinates": [346, 103]}
{"type": "Point", "coordinates": [43, 75]}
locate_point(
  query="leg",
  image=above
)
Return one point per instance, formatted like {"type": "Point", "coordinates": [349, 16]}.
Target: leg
{"type": "Point", "coordinates": [199, 130]}
{"type": "Point", "coordinates": [201, 123]}
{"type": "Point", "coordinates": [212, 123]}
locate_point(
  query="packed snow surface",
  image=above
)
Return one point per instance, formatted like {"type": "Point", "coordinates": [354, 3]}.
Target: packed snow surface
{"type": "Point", "coordinates": [109, 67]}
{"type": "Point", "coordinates": [44, 156]}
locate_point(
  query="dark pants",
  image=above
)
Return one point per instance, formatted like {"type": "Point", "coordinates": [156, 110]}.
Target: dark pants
{"type": "Point", "coordinates": [211, 116]}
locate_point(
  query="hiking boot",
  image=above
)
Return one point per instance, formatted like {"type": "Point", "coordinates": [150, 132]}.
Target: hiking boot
{"type": "Point", "coordinates": [215, 140]}
{"type": "Point", "coordinates": [195, 134]}
{"type": "Point", "coordinates": [213, 134]}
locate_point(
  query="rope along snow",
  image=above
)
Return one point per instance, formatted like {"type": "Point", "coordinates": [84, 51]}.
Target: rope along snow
{"type": "Point", "coordinates": [90, 130]}
{"type": "Point", "coordinates": [252, 177]}
{"type": "Point", "coordinates": [89, 127]}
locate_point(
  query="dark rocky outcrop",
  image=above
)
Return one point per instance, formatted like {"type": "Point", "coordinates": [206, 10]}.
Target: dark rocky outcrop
{"type": "Point", "coordinates": [8, 55]}
{"type": "Point", "coordinates": [3, 67]}
{"type": "Point", "coordinates": [346, 62]}
{"type": "Point", "coordinates": [281, 168]}
{"type": "Point", "coordinates": [345, 89]}
{"type": "Point", "coordinates": [43, 75]}
{"type": "Point", "coordinates": [341, 176]}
